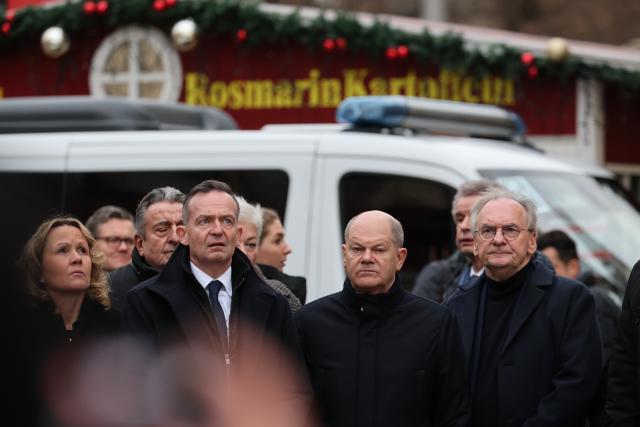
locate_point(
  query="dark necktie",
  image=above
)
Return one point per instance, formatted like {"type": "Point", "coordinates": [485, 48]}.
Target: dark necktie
{"type": "Point", "coordinates": [214, 288]}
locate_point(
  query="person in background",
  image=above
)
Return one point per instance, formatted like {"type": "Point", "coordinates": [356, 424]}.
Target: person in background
{"type": "Point", "coordinates": [273, 251]}
{"type": "Point", "coordinates": [158, 216]}
{"type": "Point", "coordinates": [531, 337]}
{"type": "Point", "coordinates": [561, 251]}
{"type": "Point", "coordinates": [377, 355]}
{"type": "Point", "coordinates": [439, 279]}
{"type": "Point", "coordinates": [250, 221]}
{"type": "Point", "coordinates": [112, 227]}
{"type": "Point", "coordinates": [623, 390]}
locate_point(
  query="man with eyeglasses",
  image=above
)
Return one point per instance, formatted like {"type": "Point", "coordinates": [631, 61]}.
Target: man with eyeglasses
{"type": "Point", "coordinates": [531, 337]}
{"type": "Point", "coordinates": [439, 279]}
{"type": "Point", "coordinates": [112, 227]}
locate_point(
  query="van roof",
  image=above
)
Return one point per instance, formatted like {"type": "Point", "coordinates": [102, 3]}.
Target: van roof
{"type": "Point", "coordinates": [86, 113]}
{"type": "Point", "coordinates": [469, 155]}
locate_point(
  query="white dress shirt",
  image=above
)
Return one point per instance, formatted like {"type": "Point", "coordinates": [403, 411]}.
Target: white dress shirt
{"type": "Point", "coordinates": [224, 296]}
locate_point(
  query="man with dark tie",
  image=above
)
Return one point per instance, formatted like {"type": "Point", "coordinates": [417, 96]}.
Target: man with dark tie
{"type": "Point", "coordinates": [439, 279]}
{"type": "Point", "coordinates": [208, 296]}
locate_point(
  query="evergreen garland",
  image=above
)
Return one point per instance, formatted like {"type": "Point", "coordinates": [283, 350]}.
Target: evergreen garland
{"type": "Point", "coordinates": [227, 16]}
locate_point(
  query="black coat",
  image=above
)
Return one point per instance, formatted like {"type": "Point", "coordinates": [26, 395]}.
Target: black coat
{"type": "Point", "coordinates": [384, 360]}
{"type": "Point", "coordinates": [439, 279]}
{"type": "Point", "coordinates": [551, 363]}
{"type": "Point", "coordinates": [623, 394]}
{"type": "Point", "coordinates": [173, 308]}
{"type": "Point", "coordinates": [125, 278]}
{"type": "Point", "coordinates": [94, 322]}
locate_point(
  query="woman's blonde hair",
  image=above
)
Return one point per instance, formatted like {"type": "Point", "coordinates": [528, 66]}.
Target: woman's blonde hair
{"type": "Point", "coordinates": [31, 261]}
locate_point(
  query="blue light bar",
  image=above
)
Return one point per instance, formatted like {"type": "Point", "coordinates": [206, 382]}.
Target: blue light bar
{"type": "Point", "coordinates": [431, 116]}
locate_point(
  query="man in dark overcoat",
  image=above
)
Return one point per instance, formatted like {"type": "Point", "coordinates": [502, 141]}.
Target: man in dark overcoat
{"type": "Point", "coordinates": [158, 216]}
{"type": "Point", "coordinates": [377, 355]}
{"type": "Point", "coordinates": [208, 295]}
{"type": "Point", "coordinates": [531, 337]}
{"type": "Point", "coordinates": [623, 393]}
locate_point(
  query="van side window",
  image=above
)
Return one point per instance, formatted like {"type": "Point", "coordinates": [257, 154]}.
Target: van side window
{"type": "Point", "coordinates": [422, 206]}
{"type": "Point", "coordinates": [88, 191]}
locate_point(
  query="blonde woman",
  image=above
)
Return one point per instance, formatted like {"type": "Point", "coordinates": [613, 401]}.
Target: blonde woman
{"type": "Point", "coordinates": [67, 286]}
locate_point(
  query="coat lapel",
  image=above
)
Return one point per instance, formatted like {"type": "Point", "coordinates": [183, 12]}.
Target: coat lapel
{"type": "Point", "coordinates": [468, 304]}
{"type": "Point", "coordinates": [173, 285]}
{"type": "Point", "coordinates": [530, 296]}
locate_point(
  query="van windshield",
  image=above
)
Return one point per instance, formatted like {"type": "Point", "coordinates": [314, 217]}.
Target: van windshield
{"type": "Point", "coordinates": [604, 225]}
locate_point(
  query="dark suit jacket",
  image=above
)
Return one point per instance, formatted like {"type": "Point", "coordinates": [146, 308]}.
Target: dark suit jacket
{"type": "Point", "coordinates": [551, 363]}
{"type": "Point", "coordinates": [172, 307]}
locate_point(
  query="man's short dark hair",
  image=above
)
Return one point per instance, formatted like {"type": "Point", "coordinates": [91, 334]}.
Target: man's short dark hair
{"type": "Point", "coordinates": [104, 214]}
{"type": "Point", "coordinates": [561, 242]}
{"type": "Point", "coordinates": [206, 187]}
{"type": "Point", "coordinates": [157, 195]}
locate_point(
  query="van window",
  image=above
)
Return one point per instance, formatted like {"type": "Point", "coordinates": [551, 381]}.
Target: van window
{"type": "Point", "coordinates": [88, 191]}
{"type": "Point", "coordinates": [422, 206]}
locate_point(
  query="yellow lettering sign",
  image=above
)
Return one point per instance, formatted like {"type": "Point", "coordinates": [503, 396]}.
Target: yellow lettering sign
{"type": "Point", "coordinates": [317, 91]}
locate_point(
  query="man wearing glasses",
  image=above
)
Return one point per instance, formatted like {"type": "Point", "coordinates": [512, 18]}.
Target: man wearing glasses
{"type": "Point", "coordinates": [529, 334]}
{"type": "Point", "coordinates": [112, 227]}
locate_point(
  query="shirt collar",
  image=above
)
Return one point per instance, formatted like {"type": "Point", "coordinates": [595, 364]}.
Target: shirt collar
{"type": "Point", "coordinates": [473, 272]}
{"type": "Point", "coordinates": [204, 279]}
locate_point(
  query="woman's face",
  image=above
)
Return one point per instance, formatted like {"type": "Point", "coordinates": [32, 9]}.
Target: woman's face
{"type": "Point", "coordinates": [247, 242]}
{"type": "Point", "coordinates": [66, 261]}
{"type": "Point", "coordinates": [273, 249]}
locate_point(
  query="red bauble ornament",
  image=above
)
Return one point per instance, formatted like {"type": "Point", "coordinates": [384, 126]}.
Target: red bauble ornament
{"type": "Point", "coordinates": [102, 6]}
{"type": "Point", "coordinates": [241, 35]}
{"type": "Point", "coordinates": [391, 53]}
{"type": "Point", "coordinates": [341, 43]}
{"type": "Point", "coordinates": [328, 45]}
{"type": "Point", "coordinates": [159, 5]}
{"type": "Point", "coordinates": [170, 3]}
{"type": "Point", "coordinates": [403, 51]}
{"type": "Point", "coordinates": [10, 14]}
{"type": "Point", "coordinates": [533, 72]}
{"type": "Point", "coordinates": [527, 58]}
{"type": "Point", "coordinates": [6, 27]}
{"type": "Point", "coordinates": [89, 7]}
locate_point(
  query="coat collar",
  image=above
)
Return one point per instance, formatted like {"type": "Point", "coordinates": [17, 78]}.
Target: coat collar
{"type": "Point", "coordinates": [469, 306]}
{"type": "Point", "coordinates": [190, 304]}
{"type": "Point", "coordinates": [372, 306]}
{"type": "Point", "coordinates": [143, 270]}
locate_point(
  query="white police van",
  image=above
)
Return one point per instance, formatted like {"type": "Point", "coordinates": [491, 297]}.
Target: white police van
{"type": "Point", "coordinates": [402, 155]}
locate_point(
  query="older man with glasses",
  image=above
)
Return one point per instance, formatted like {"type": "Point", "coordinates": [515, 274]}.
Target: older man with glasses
{"type": "Point", "coordinates": [531, 337]}
{"type": "Point", "coordinates": [112, 226]}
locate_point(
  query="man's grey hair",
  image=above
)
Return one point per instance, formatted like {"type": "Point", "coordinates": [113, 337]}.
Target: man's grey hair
{"type": "Point", "coordinates": [104, 214]}
{"type": "Point", "coordinates": [525, 202]}
{"type": "Point", "coordinates": [250, 213]}
{"type": "Point", "coordinates": [476, 187]}
{"type": "Point", "coordinates": [397, 233]}
{"type": "Point", "coordinates": [157, 195]}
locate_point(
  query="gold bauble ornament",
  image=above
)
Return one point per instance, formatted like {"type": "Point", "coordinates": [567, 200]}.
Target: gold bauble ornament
{"type": "Point", "coordinates": [185, 35]}
{"type": "Point", "coordinates": [557, 49]}
{"type": "Point", "coordinates": [54, 42]}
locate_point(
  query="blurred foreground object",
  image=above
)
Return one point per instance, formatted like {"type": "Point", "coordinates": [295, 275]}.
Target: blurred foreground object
{"type": "Point", "coordinates": [123, 383]}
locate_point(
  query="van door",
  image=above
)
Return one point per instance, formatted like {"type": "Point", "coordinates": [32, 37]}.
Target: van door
{"type": "Point", "coordinates": [419, 195]}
